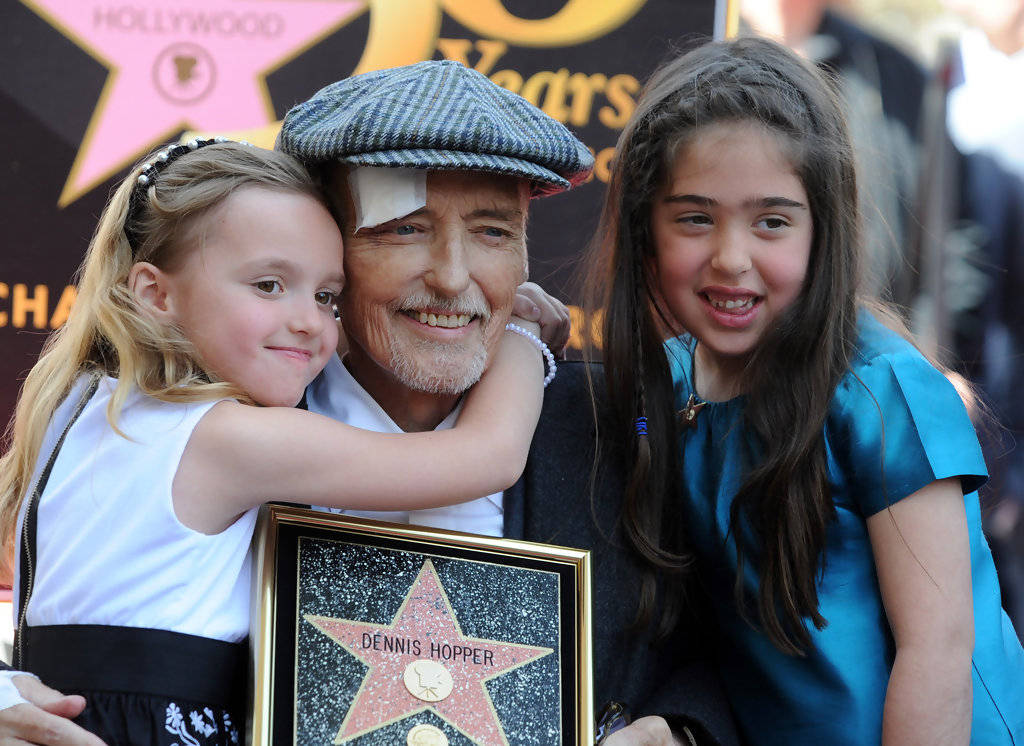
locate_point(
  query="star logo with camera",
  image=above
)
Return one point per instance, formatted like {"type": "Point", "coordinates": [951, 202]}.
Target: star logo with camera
{"type": "Point", "coordinates": [177, 66]}
{"type": "Point", "coordinates": [422, 661]}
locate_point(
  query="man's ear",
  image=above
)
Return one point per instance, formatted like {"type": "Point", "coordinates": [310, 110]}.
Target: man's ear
{"type": "Point", "coordinates": [151, 287]}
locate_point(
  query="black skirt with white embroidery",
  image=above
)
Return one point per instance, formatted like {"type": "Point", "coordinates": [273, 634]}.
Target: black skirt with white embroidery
{"type": "Point", "coordinates": [145, 686]}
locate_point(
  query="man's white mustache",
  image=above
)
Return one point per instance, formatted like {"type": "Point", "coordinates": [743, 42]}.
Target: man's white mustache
{"type": "Point", "coordinates": [462, 304]}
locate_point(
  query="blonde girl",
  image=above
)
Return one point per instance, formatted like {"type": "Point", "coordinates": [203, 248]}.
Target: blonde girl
{"type": "Point", "coordinates": [160, 417]}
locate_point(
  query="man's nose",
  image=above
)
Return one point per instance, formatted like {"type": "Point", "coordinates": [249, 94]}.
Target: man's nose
{"type": "Point", "coordinates": [731, 255]}
{"type": "Point", "coordinates": [449, 264]}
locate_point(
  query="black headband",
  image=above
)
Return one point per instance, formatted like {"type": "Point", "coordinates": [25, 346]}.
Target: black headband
{"type": "Point", "coordinates": [148, 175]}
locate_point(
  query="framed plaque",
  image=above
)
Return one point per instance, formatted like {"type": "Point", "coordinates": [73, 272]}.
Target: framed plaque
{"type": "Point", "coordinates": [375, 634]}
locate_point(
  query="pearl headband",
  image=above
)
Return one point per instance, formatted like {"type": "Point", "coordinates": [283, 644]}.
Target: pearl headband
{"type": "Point", "coordinates": [147, 176]}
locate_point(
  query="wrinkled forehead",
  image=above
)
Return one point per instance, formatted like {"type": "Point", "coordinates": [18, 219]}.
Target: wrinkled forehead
{"type": "Point", "coordinates": [458, 191]}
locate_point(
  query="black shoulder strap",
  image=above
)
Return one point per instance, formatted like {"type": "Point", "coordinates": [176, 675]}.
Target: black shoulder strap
{"type": "Point", "coordinates": [28, 534]}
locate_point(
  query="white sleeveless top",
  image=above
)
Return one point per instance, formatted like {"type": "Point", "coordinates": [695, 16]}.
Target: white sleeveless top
{"type": "Point", "coordinates": [110, 549]}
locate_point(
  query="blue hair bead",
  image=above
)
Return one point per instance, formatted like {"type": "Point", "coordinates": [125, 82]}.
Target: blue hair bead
{"type": "Point", "coordinates": [641, 425]}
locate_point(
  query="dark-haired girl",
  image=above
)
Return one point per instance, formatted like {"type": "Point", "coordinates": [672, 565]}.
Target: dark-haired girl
{"type": "Point", "coordinates": [828, 471]}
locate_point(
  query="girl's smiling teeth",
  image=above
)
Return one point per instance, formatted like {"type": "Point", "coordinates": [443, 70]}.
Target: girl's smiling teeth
{"type": "Point", "coordinates": [447, 321]}
{"type": "Point", "coordinates": [737, 305]}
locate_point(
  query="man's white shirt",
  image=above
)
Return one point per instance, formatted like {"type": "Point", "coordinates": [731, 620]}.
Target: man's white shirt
{"type": "Point", "coordinates": [336, 394]}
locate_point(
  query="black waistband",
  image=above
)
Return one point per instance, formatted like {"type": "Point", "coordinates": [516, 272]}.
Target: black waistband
{"type": "Point", "coordinates": [140, 661]}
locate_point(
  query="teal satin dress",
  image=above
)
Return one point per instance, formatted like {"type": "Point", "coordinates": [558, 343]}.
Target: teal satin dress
{"type": "Point", "coordinates": [895, 425]}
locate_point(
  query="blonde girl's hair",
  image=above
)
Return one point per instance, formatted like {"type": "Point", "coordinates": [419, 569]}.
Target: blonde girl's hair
{"type": "Point", "coordinates": [107, 332]}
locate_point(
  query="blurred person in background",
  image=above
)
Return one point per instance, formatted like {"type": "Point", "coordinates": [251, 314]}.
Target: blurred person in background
{"type": "Point", "coordinates": [986, 122]}
{"type": "Point", "coordinates": [984, 113]}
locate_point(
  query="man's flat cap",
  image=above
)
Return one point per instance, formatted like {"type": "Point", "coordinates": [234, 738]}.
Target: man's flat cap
{"type": "Point", "coordinates": [436, 115]}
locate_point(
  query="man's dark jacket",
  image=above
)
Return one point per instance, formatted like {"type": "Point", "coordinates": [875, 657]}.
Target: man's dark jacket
{"type": "Point", "coordinates": [552, 503]}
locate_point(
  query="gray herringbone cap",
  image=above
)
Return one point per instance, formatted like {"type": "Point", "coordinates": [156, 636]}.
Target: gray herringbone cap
{"type": "Point", "coordinates": [437, 115]}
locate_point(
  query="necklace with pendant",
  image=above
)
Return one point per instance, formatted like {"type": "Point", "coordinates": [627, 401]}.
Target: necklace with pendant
{"type": "Point", "coordinates": [688, 414]}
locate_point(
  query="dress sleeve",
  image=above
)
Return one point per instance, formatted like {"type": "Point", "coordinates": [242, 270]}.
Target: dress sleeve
{"type": "Point", "coordinates": [896, 425]}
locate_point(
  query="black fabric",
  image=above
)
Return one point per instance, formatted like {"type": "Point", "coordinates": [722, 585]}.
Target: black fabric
{"type": "Point", "coordinates": [122, 719]}
{"type": "Point", "coordinates": [993, 202]}
{"type": "Point", "coordinates": [552, 503]}
{"type": "Point", "coordinates": [145, 686]}
{"type": "Point", "coordinates": [143, 661]}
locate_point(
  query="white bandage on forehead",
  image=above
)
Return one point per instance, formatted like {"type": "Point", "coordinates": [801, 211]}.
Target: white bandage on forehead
{"type": "Point", "coordinates": [384, 194]}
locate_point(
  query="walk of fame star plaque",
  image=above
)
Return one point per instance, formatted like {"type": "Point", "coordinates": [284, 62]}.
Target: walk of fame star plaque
{"type": "Point", "coordinates": [371, 634]}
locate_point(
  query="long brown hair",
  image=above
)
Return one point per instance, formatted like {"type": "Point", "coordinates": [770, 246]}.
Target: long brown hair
{"type": "Point", "coordinates": [107, 332]}
{"type": "Point", "coordinates": [791, 375]}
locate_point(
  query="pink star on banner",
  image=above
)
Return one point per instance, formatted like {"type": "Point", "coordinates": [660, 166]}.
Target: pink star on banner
{"type": "Point", "coordinates": [425, 628]}
{"type": "Point", "coordinates": [181, 65]}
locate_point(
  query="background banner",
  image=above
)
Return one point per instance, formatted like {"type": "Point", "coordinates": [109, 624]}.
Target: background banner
{"type": "Point", "coordinates": [91, 86]}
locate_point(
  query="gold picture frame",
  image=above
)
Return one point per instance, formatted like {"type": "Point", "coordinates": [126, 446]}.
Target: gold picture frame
{"type": "Point", "coordinates": [367, 633]}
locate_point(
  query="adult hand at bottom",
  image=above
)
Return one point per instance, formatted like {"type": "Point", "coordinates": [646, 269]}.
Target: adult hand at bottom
{"type": "Point", "coordinates": [45, 720]}
{"type": "Point", "coordinates": [646, 731]}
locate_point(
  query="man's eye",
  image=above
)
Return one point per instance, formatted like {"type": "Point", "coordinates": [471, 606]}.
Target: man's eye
{"type": "Point", "coordinates": [405, 230]}
{"type": "Point", "coordinates": [268, 286]}
{"type": "Point", "coordinates": [324, 297]}
{"type": "Point", "coordinates": [495, 232]}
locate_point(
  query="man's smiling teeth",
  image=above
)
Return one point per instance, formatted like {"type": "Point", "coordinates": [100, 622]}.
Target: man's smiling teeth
{"type": "Point", "coordinates": [733, 305]}
{"type": "Point", "coordinates": [449, 321]}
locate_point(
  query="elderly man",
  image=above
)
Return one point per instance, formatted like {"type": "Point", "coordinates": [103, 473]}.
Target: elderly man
{"type": "Point", "coordinates": [429, 170]}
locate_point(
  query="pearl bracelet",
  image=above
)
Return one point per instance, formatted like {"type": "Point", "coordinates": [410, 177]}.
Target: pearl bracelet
{"type": "Point", "coordinates": [552, 368]}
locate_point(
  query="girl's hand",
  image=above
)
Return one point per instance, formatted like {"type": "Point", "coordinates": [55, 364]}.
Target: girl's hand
{"type": "Point", "coordinates": [533, 304]}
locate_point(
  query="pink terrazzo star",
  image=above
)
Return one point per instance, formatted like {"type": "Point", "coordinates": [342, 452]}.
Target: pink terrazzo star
{"type": "Point", "coordinates": [176, 66]}
{"type": "Point", "coordinates": [426, 617]}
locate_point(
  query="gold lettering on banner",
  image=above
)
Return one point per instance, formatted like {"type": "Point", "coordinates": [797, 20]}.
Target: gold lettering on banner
{"type": "Point", "coordinates": [67, 300]}
{"type": "Point", "coordinates": [406, 31]}
{"type": "Point", "coordinates": [571, 98]}
{"type": "Point", "coordinates": [491, 50]}
{"type": "Point", "coordinates": [22, 304]}
{"type": "Point", "coordinates": [402, 32]}
{"type": "Point", "coordinates": [578, 21]}
{"type": "Point", "coordinates": [603, 164]}
{"type": "Point", "coordinates": [508, 79]}
{"type": "Point", "coordinates": [583, 87]}
{"type": "Point", "coordinates": [576, 337]}
{"type": "Point", "coordinates": [552, 86]}
{"type": "Point", "coordinates": [620, 92]}
{"type": "Point", "coordinates": [24, 307]}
